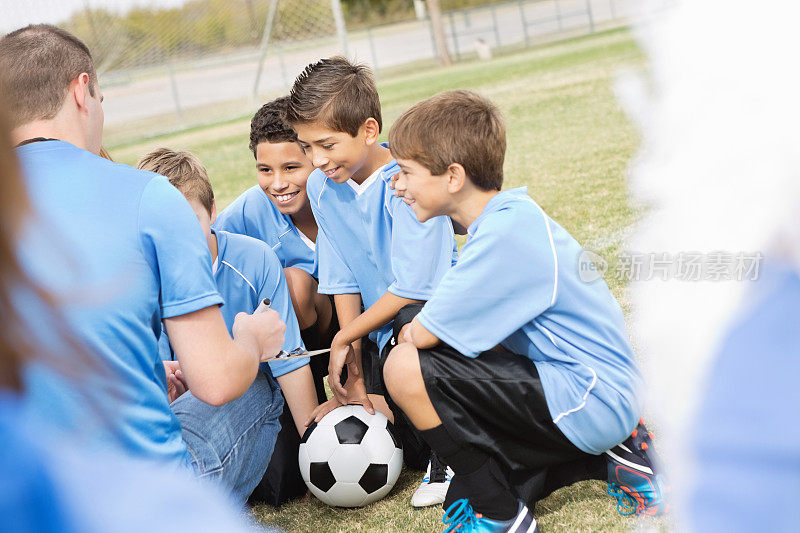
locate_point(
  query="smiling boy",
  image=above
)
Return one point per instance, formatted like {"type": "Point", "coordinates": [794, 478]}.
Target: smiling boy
{"type": "Point", "coordinates": [372, 249]}
{"type": "Point", "coordinates": [517, 373]}
{"type": "Point", "coordinates": [276, 210]}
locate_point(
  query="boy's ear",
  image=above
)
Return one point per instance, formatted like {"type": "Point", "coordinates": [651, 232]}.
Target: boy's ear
{"type": "Point", "coordinates": [456, 178]}
{"type": "Point", "coordinates": [213, 211]}
{"type": "Point", "coordinates": [370, 130]}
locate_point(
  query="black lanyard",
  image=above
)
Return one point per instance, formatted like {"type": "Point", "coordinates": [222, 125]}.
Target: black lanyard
{"type": "Point", "coordinates": [34, 140]}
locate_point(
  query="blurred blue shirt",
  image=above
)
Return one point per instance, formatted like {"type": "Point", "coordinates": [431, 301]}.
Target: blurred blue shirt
{"type": "Point", "coordinates": [119, 249]}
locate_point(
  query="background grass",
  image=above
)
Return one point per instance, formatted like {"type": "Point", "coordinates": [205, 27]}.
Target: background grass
{"type": "Point", "coordinates": [568, 141]}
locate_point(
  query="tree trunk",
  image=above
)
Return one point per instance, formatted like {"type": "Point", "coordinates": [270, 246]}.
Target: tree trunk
{"type": "Point", "coordinates": [439, 35]}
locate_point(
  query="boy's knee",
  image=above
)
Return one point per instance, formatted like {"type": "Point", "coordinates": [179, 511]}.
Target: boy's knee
{"type": "Point", "coordinates": [401, 372]}
{"type": "Point", "coordinates": [301, 291]}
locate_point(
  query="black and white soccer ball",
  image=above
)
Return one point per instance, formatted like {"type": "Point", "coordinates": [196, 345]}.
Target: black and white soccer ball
{"type": "Point", "coordinates": [350, 458]}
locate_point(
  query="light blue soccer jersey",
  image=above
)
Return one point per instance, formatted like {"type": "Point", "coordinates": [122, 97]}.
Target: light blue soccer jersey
{"type": "Point", "coordinates": [253, 214]}
{"type": "Point", "coordinates": [120, 249]}
{"type": "Point", "coordinates": [516, 284]}
{"type": "Point", "coordinates": [370, 242]}
{"type": "Point", "coordinates": [247, 271]}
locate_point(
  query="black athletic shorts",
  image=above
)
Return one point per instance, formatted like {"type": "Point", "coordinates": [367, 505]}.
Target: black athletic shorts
{"type": "Point", "coordinates": [495, 403]}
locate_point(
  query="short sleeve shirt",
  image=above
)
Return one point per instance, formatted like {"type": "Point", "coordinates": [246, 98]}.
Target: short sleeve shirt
{"type": "Point", "coordinates": [370, 242]}
{"type": "Point", "coordinates": [253, 214]}
{"type": "Point", "coordinates": [516, 283]}
{"type": "Point", "coordinates": [120, 249]}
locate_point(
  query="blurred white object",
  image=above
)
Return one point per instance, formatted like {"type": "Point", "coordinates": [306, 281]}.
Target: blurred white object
{"type": "Point", "coordinates": [419, 9]}
{"type": "Point", "coordinates": [484, 50]}
{"type": "Point", "coordinates": [719, 170]}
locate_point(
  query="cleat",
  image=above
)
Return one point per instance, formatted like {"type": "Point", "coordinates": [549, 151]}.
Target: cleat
{"type": "Point", "coordinates": [633, 478]}
{"type": "Point", "coordinates": [460, 518]}
{"type": "Point", "coordinates": [433, 489]}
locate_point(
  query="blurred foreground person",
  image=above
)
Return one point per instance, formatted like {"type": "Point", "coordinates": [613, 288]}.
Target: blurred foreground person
{"type": "Point", "coordinates": [53, 485]}
{"type": "Point", "coordinates": [720, 331]}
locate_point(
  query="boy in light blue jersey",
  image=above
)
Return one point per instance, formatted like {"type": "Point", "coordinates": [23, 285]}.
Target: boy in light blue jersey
{"type": "Point", "coordinates": [516, 372]}
{"type": "Point", "coordinates": [372, 250]}
{"type": "Point", "coordinates": [246, 272]}
{"type": "Point", "coordinates": [276, 210]}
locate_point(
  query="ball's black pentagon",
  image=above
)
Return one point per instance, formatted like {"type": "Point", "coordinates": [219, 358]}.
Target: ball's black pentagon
{"type": "Point", "coordinates": [321, 476]}
{"type": "Point", "coordinates": [375, 477]}
{"type": "Point", "coordinates": [393, 433]}
{"type": "Point", "coordinates": [307, 432]}
{"type": "Point", "coordinates": [350, 430]}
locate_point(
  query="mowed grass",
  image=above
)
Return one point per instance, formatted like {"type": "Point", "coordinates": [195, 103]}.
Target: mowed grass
{"type": "Point", "coordinates": [568, 142]}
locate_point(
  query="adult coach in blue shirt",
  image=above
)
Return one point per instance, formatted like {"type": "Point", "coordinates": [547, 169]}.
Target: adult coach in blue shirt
{"type": "Point", "coordinates": [121, 250]}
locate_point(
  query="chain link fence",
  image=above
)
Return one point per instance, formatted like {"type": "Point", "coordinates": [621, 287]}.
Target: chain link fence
{"type": "Point", "coordinates": [175, 64]}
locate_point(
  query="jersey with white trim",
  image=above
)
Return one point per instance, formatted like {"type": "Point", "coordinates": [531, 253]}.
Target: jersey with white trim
{"type": "Point", "coordinates": [246, 272]}
{"type": "Point", "coordinates": [370, 242]}
{"type": "Point", "coordinates": [516, 283]}
{"type": "Point", "coordinates": [253, 214]}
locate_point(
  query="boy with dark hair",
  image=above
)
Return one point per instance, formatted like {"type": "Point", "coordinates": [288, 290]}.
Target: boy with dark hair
{"type": "Point", "coordinates": [516, 372]}
{"type": "Point", "coordinates": [246, 272]}
{"type": "Point", "coordinates": [276, 211]}
{"type": "Point", "coordinates": [372, 250]}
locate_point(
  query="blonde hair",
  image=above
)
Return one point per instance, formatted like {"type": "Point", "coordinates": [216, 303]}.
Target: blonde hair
{"type": "Point", "coordinates": [184, 171]}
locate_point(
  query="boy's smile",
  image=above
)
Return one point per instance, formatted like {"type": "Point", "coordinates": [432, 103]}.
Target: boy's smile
{"type": "Point", "coordinates": [426, 194]}
{"type": "Point", "coordinates": [340, 156]}
{"type": "Point", "coordinates": [283, 170]}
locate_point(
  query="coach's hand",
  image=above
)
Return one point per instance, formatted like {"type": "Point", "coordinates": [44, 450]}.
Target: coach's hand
{"type": "Point", "coordinates": [262, 333]}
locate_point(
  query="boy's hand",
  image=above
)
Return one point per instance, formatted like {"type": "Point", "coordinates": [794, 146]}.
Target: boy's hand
{"type": "Point", "coordinates": [262, 333]}
{"type": "Point", "coordinates": [356, 394]}
{"type": "Point", "coordinates": [176, 384]}
{"type": "Point", "coordinates": [341, 354]}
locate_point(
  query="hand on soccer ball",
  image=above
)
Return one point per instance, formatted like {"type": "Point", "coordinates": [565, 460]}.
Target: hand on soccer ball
{"type": "Point", "coordinates": [356, 393]}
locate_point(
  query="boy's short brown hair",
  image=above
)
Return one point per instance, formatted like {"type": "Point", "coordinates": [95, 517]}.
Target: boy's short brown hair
{"type": "Point", "coordinates": [454, 127]}
{"type": "Point", "coordinates": [184, 171]}
{"type": "Point", "coordinates": [37, 65]}
{"type": "Point", "coordinates": [334, 92]}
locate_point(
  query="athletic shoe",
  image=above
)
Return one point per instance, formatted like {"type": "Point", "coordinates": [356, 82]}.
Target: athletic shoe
{"type": "Point", "coordinates": [461, 518]}
{"type": "Point", "coordinates": [633, 478]}
{"type": "Point", "coordinates": [433, 488]}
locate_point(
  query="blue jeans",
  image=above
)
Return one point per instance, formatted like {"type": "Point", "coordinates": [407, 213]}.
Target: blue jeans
{"type": "Point", "coordinates": [231, 445]}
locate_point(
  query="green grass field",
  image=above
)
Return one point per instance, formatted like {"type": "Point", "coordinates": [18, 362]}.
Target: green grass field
{"type": "Point", "coordinates": [568, 141]}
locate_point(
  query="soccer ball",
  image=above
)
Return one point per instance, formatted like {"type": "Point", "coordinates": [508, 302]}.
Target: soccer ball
{"type": "Point", "coordinates": [350, 458]}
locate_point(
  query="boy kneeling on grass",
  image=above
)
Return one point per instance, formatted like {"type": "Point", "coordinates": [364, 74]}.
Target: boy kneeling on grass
{"type": "Point", "coordinates": [518, 374]}
{"type": "Point", "coordinates": [246, 272]}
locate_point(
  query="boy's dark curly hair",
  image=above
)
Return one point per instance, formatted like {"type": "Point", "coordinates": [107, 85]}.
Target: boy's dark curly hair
{"type": "Point", "coordinates": [268, 124]}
